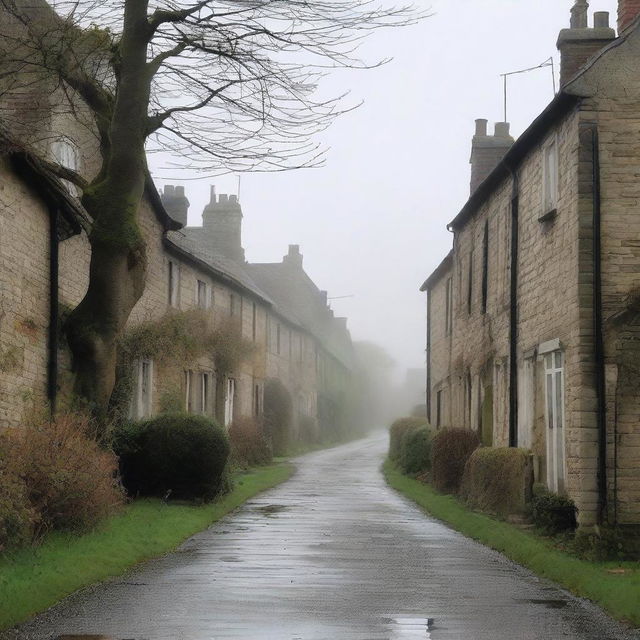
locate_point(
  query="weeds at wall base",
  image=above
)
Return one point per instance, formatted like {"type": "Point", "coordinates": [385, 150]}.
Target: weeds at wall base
{"type": "Point", "coordinates": [615, 586]}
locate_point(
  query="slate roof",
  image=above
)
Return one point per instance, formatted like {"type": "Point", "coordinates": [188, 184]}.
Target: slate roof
{"type": "Point", "coordinates": [298, 297]}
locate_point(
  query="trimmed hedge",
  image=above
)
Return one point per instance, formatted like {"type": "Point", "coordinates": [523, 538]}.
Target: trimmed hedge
{"type": "Point", "coordinates": [415, 451]}
{"type": "Point", "coordinates": [552, 513]}
{"type": "Point", "coordinates": [498, 480]}
{"type": "Point", "coordinates": [249, 447]}
{"type": "Point", "coordinates": [180, 455]}
{"type": "Point", "coordinates": [450, 450]}
{"type": "Point", "coordinates": [278, 414]}
{"type": "Point", "coordinates": [397, 431]}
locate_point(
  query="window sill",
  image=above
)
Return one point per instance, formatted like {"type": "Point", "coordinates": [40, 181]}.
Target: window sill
{"type": "Point", "coordinates": [549, 216]}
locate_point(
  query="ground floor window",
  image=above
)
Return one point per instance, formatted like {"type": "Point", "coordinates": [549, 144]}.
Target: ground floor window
{"type": "Point", "coordinates": [554, 393]}
{"type": "Point", "coordinates": [142, 401]}
{"type": "Point", "coordinates": [229, 401]}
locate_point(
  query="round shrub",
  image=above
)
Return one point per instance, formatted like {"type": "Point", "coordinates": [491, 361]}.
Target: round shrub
{"type": "Point", "coordinates": [450, 450]}
{"type": "Point", "coordinates": [178, 455]}
{"type": "Point", "coordinates": [278, 411]}
{"type": "Point", "coordinates": [498, 480]}
{"type": "Point", "coordinates": [415, 451]}
{"type": "Point", "coordinates": [249, 447]}
{"type": "Point", "coordinates": [553, 513]}
{"type": "Point", "coordinates": [71, 482]}
{"type": "Point", "coordinates": [397, 431]}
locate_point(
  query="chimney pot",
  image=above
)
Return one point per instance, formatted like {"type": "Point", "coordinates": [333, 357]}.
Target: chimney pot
{"type": "Point", "coordinates": [481, 126]}
{"type": "Point", "coordinates": [179, 192]}
{"type": "Point", "coordinates": [212, 198]}
{"type": "Point", "coordinates": [601, 19]}
{"type": "Point", "coordinates": [233, 198]}
{"type": "Point", "coordinates": [502, 129]}
{"type": "Point", "coordinates": [168, 190]}
{"type": "Point", "coordinates": [223, 199]}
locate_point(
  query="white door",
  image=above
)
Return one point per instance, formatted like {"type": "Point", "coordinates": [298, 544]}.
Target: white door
{"type": "Point", "coordinates": [554, 392]}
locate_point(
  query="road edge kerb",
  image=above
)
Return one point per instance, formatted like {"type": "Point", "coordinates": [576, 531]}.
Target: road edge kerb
{"type": "Point", "coordinates": [567, 571]}
{"type": "Point", "coordinates": [53, 596]}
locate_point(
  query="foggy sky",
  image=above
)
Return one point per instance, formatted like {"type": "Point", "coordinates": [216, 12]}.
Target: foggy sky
{"type": "Point", "coordinates": [371, 223]}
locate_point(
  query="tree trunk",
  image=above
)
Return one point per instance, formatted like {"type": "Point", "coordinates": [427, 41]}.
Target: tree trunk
{"type": "Point", "coordinates": [118, 259]}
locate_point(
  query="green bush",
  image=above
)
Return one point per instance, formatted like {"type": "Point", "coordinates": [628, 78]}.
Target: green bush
{"type": "Point", "coordinates": [278, 411]}
{"type": "Point", "coordinates": [498, 480]}
{"type": "Point", "coordinates": [249, 447]}
{"type": "Point", "coordinates": [552, 513]}
{"type": "Point", "coordinates": [606, 544]}
{"type": "Point", "coordinates": [17, 516]}
{"type": "Point", "coordinates": [450, 450]}
{"type": "Point", "coordinates": [415, 451]}
{"type": "Point", "coordinates": [397, 431]}
{"type": "Point", "coordinates": [182, 455]}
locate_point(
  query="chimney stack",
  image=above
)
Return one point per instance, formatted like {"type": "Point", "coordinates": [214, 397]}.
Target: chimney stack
{"type": "Point", "coordinates": [628, 11]}
{"type": "Point", "coordinates": [176, 203]}
{"type": "Point", "coordinates": [579, 43]}
{"type": "Point", "coordinates": [222, 225]}
{"type": "Point", "coordinates": [487, 150]}
{"type": "Point", "coordinates": [294, 257]}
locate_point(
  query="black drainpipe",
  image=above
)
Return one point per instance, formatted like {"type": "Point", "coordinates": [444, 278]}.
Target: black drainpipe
{"type": "Point", "coordinates": [513, 316]}
{"type": "Point", "coordinates": [598, 331]}
{"type": "Point", "coordinates": [428, 398]}
{"type": "Point", "coordinates": [52, 364]}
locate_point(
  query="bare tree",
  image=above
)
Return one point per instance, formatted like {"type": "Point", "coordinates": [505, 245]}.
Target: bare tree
{"type": "Point", "coordinates": [222, 84]}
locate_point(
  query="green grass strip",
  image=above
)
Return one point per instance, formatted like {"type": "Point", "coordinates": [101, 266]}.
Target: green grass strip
{"type": "Point", "coordinates": [618, 594]}
{"type": "Point", "coordinates": [32, 580]}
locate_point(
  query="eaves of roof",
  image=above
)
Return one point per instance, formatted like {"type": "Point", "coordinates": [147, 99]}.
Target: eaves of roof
{"type": "Point", "coordinates": [439, 271]}
{"type": "Point", "coordinates": [557, 109]}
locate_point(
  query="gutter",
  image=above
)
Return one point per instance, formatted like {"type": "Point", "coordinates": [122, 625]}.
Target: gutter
{"type": "Point", "coordinates": [598, 330]}
{"type": "Point", "coordinates": [54, 316]}
{"type": "Point", "coordinates": [513, 311]}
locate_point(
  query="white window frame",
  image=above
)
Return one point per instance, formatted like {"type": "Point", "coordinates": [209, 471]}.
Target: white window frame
{"type": "Point", "coordinates": [143, 405]}
{"type": "Point", "coordinates": [554, 382]}
{"type": "Point", "coordinates": [205, 390]}
{"type": "Point", "coordinates": [229, 400]}
{"type": "Point", "coordinates": [66, 153]}
{"type": "Point", "coordinates": [550, 176]}
{"type": "Point", "coordinates": [188, 389]}
{"type": "Point", "coordinates": [203, 294]}
{"type": "Point", "coordinates": [173, 283]}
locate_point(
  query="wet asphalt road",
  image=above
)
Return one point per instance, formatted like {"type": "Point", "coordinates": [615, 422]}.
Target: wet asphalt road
{"type": "Point", "coordinates": [332, 554]}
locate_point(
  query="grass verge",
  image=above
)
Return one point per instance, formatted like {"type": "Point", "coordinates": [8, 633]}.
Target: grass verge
{"type": "Point", "coordinates": [618, 593]}
{"type": "Point", "coordinates": [31, 580]}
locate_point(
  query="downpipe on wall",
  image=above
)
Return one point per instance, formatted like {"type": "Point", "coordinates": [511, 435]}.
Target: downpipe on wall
{"type": "Point", "coordinates": [513, 311]}
{"type": "Point", "coordinates": [598, 330]}
{"type": "Point", "coordinates": [54, 262]}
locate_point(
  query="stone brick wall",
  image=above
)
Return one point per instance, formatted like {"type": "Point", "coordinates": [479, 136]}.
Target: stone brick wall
{"type": "Point", "coordinates": [24, 296]}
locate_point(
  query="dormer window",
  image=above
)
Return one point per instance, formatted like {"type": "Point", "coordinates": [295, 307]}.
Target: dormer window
{"type": "Point", "coordinates": [65, 153]}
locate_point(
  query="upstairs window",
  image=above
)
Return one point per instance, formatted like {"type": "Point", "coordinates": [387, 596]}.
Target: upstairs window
{"type": "Point", "coordinates": [448, 326]}
{"type": "Point", "coordinates": [174, 284]}
{"type": "Point", "coordinates": [470, 284]}
{"type": "Point", "coordinates": [142, 401]}
{"type": "Point", "coordinates": [232, 305]}
{"type": "Point", "coordinates": [550, 178]}
{"type": "Point", "coordinates": [254, 313]}
{"type": "Point", "coordinates": [65, 153]}
{"type": "Point", "coordinates": [203, 295]}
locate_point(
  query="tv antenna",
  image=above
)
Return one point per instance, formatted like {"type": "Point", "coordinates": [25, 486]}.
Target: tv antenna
{"type": "Point", "coordinates": [549, 62]}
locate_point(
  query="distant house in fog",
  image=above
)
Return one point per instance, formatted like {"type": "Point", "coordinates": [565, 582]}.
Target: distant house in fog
{"type": "Point", "coordinates": [534, 316]}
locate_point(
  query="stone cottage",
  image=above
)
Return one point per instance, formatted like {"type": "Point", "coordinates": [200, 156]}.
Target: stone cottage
{"type": "Point", "coordinates": [44, 270]}
{"type": "Point", "coordinates": [534, 316]}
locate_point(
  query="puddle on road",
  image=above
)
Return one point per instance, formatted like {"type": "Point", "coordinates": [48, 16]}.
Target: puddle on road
{"type": "Point", "coordinates": [549, 603]}
{"type": "Point", "coordinates": [271, 509]}
{"type": "Point", "coordinates": [405, 628]}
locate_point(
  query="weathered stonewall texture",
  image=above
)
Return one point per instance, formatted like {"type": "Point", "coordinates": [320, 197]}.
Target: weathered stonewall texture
{"type": "Point", "coordinates": [597, 113]}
